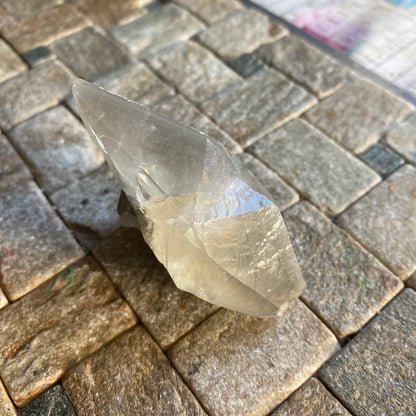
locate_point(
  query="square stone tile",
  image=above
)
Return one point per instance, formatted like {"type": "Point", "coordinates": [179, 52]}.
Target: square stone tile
{"type": "Point", "coordinates": [152, 32]}
{"type": "Point", "coordinates": [89, 206]}
{"type": "Point", "coordinates": [167, 312]}
{"type": "Point", "coordinates": [381, 159]}
{"type": "Point", "coordinates": [257, 105]}
{"type": "Point", "coordinates": [56, 326]}
{"type": "Point", "coordinates": [240, 32]}
{"type": "Point", "coordinates": [282, 194]}
{"type": "Point", "coordinates": [6, 406]}
{"type": "Point", "coordinates": [312, 399]}
{"type": "Point", "coordinates": [357, 115]}
{"type": "Point", "coordinates": [247, 64]}
{"type": "Point", "coordinates": [32, 92]}
{"type": "Point", "coordinates": [3, 301]}
{"type": "Point", "coordinates": [57, 147]}
{"type": "Point", "coordinates": [384, 221]}
{"type": "Point", "coordinates": [90, 53]}
{"type": "Point", "coordinates": [11, 64]}
{"type": "Point", "coordinates": [403, 138]}
{"type": "Point", "coordinates": [38, 55]}
{"type": "Point", "coordinates": [305, 64]}
{"type": "Point", "coordinates": [375, 374]}
{"type": "Point", "coordinates": [34, 243]}
{"type": "Point", "coordinates": [320, 169]}
{"type": "Point", "coordinates": [10, 161]}
{"type": "Point", "coordinates": [23, 8]}
{"type": "Point", "coordinates": [135, 368]}
{"type": "Point", "coordinates": [194, 71]}
{"type": "Point", "coordinates": [241, 365]}
{"type": "Point", "coordinates": [345, 285]}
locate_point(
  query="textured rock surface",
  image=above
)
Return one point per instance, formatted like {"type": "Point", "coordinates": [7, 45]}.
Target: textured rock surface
{"type": "Point", "coordinates": [403, 138]}
{"type": "Point", "coordinates": [381, 159]}
{"type": "Point", "coordinates": [257, 105]}
{"type": "Point", "coordinates": [6, 406]}
{"type": "Point", "coordinates": [24, 8]}
{"type": "Point", "coordinates": [3, 299]}
{"type": "Point", "coordinates": [38, 55]}
{"type": "Point", "coordinates": [411, 281]}
{"type": "Point", "coordinates": [247, 64]}
{"type": "Point", "coordinates": [384, 221]}
{"type": "Point", "coordinates": [244, 30]}
{"type": "Point", "coordinates": [135, 368]}
{"type": "Point", "coordinates": [345, 285]}
{"type": "Point", "coordinates": [241, 365]}
{"type": "Point", "coordinates": [320, 169]}
{"type": "Point", "coordinates": [77, 312]}
{"type": "Point", "coordinates": [305, 64]}
{"type": "Point", "coordinates": [10, 161]}
{"type": "Point", "coordinates": [346, 116]}
{"type": "Point", "coordinates": [34, 242]}
{"type": "Point", "coordinates": [11, 64]}
{"type": "Point", "coordinates": [375, 373]}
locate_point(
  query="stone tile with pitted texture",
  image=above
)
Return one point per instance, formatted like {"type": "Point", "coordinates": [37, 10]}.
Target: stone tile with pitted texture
{"type": "Point", "coordinates": [3, 299]}
{"type": "Point", "coordinates": [167, 312]}
{"type": "Point", "coordinates": [381, 158]}
{"type": "Point", "coordinates": [11, 64]}
{"type": "Point", "coordinates": [320, 169]}
{"type": "Point", "coordinates": [345, 285]}
{"type": "Point", "coordinates": [135, 368]}
{"type": "Point", "coordinates": [57, 147]}
{"type": "Point", "coordinates": [375, 374]}
{"type": "Point", "coordinates": [152, 32]}
{"type": "Point", "coordinates": [10, 161]}
{"type": "Point", "coordinates": [33, 91]}
{"type": "Point", "coordinates": [23, 8]}
{"type": "Point", "coordinates": [254, 107]}
{"type": "Point", "coordinates": [306, 64]}
{"type": "Point", "coordinates": [384, 221]}
{"type": "Point", "coordinates": [240, 365]}
{"type": "Point", "coordinates": [194, 71]}
{"type": "Point", "coordinates": [244, 31]}
{"type": "Point", "coordinates": [247, 64]}
{"type": "Point", "coordinates": [34, 243]}
{"type": "Point", "coordinates": [6, 406]}
{"type": "Point", "coordinates": [56, 326]}
{"type": "Point", "coordinates": [347, 116]}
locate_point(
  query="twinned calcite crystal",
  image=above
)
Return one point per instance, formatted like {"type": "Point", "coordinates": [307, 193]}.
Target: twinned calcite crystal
{"type": "Point", "coordinates": [206, 217]}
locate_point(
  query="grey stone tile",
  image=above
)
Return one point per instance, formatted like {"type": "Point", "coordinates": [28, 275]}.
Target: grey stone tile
{"type": "Point", "coordinates": [34, 242]}
{"type": "Point", "coordinates": [403, 138]}
{"type": "Point", "coordinates": [240, 32]}
{"type": "Point", "coordinates": [194, 71]}
{"type": "Point", "coordinates": [282, 194]}
{"type": "Point", "coordinates": [135, 368]}
{"type": "Point", "coordinates": [357, 115]}
{"type": "Point", "coordinates": [90, 53]}
{"type": "Point", "coordinates": [320, 169]}
{"type": "Point", "coordinates": [57, 147]}
{"type": "Point", "coordinates": [241, 365]}
{"type": "Point", "coordinates": [247, 64]}
{"type": "Point", "coordinates": [375, 372]}
{"type": "Point", "coordinates": [11, 64]}
{"type": "Point", "coordinates": [345, 285]}
{"type": "Point", "coordinates": [33, 91]}
{"type": "Point", "coordinates": [155, 30]}
{"type": "Point", "coordinates": [306, 64]}
{"type": "Point", "coordinates": [23, 8]}
{"type": "Point", "coordinates": [6, 406]}
{"type": "Point", "coordinates": [38, 55]}
{"type": "Point", "coordinates": [385, 219]}
{"type": "Point", "coordinates": [381, 159]}
{"type": "Point", "coordinates": [10, 161]}
{"type": "Point", "coordinates": [257, 105]}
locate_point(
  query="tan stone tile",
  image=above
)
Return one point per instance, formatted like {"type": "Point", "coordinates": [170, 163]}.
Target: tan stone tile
{"type": "Point", "coordinates": [56, 326]}
{"type": "Point", "coordinates": [11, 64]}
{"type": "Point", "coordinates": [411, 281]}
{"type": "Point", "coordinates": [10, 161]}
{"type": "Point", "coordinates": [6, 18]}
{"type": "Point", "coordinates": [24, 8]}
{"type": "Point", "coordinates": [6, 406]}
{"type": "Point", "coordinates": [3, 299]}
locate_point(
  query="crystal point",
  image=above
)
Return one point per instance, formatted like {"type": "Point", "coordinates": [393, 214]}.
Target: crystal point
{"type": "Point", "coordinates": [206, 217]}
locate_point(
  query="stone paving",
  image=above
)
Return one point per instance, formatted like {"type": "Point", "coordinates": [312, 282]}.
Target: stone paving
{"type": "Point", "coordinates": [92, 324]}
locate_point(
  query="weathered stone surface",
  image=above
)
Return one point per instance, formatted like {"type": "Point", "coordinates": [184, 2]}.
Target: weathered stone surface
{"type": "Point", "coordinates": [135, 368]}
{"type": "Point", "coordinates": [152, 32]}
{"type": "Point", "coordinates": [311, 399]}
{"type": "Point", "coordinates": [247, 64]}
{"type": "Point", "coordinates": [56, 326]}
{"type": "Point", "coordinates": [167, 312]}
{"type": "Point", "coordinates": [381, 159]}
{"type": "Point", "coordinates": [403, 138]}
{"type": "Point", "coordinates": [34, 243]}
{"type": "Point", "coordinates": [11, 64]}
{"type": "Point", "coordinates": [90, 53]}
{"type": "Point", "coordinates": [10, 162]}
{"type": "Point", "coordinates": [345, 285]}
{"type": "Point", "coordinates": [356, 115]}
{"type": "Point", "coordinates": [193, 70]}
{"type": "Point", "coordinates": [6, 406]}
{"type": "Point", "coordinates": [33, 91]}
{"type": "Point", "coordinates": [38, 55]}
{"type": "Point", "coordinates": [240, 32]}
{"type": "Point", "coordinates": [44, 28]}
{"type": "Point", "coordinates": [6, 18]}
{"type": "Point", "coordinates": [240, 365]}
{"type": "Point", "coordinates": [282, 194]}
{"type": "Point", "coordinates": [306, 64]}
{"type": "Point", "coordinates": [89, 206]}
{"type": "Point", "coordinates": [211, 10]}
{"type": "Point", "coordinates": [24, 8]}
{"type": "Point", "coordinates": [257, 105]}
{"type": "Point", "coordinates": [57, 147]}
{"type": "Point", "coordinates": [3, 302]}
{"type": "Point", "coordinates": [328, 175]}
{"type": "Point", "coordinates": [53, 402]}
{"type": "Point", "coordinates": [375, 373]}
{"type": "Point", "coordinates": [411, 281]}
{"type": "Point", "coordinates": [385, 219]}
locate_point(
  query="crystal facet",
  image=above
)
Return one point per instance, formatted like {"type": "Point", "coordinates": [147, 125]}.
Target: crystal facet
{"type": "Point", "coordinates": [205, 216]}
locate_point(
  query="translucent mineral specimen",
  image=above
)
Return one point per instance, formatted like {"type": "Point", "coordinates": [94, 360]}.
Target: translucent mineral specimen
{"type": "Point", "coordinates": [205, 216]}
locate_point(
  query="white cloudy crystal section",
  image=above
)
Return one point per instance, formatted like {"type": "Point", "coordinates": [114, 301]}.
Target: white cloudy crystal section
{"type": "Point", "coordinates": [205, 216]}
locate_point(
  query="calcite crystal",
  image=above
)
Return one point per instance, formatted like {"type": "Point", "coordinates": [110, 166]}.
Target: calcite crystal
{"type": "Point", "coordinates": [206, 217]}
